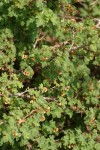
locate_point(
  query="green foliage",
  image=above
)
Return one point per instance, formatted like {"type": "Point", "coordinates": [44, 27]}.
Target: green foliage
{"type": "Point", "coordinates": [49, 75]}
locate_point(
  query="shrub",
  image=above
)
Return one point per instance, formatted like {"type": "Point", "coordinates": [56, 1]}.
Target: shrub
{"type": "Point", "coordinates": [49, 75]}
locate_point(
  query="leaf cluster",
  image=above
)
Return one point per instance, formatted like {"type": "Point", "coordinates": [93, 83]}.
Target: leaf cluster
{"type": "Point", "coordinates": [49, 75]}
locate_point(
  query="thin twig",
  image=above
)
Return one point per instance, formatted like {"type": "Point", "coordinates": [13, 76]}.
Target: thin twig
{"type": "Point", "coordinates": [71, 17]}
{"type": "Point", "coordinates": [37, 40]}
{"type": "Point", "coordinates": [76, 48]}
{"type": "Point", "coordinates": [31, 113]}
{"type": "Point", "coordinates": [40, 38]}
{"type": "Point", "coordinates": [97, 20]}
{"type": "Point", "coordinates": [50, 98]}
{"type": "Point", "coordinates": [24, 95]}
{"type": "Point", "coordinates": [59, 45]}
{"type": "Point", "coordinates": [94, 3]}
